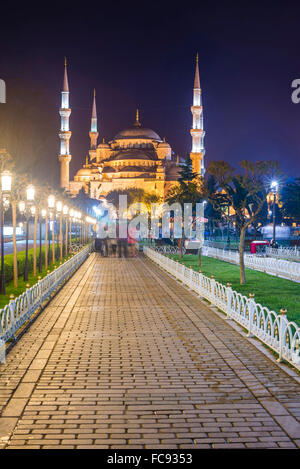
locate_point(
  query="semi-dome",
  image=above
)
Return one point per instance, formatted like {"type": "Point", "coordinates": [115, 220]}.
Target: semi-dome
{"type": "Point", "coordinates": [135, 154]}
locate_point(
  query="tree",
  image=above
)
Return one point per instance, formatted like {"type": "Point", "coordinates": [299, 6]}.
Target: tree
{"type": "Point", "coordinates": [7, 164]}
{"type": "Point", "coordinates": [188, 190]}
{"type": "Point", "coordinates": [246, 192]}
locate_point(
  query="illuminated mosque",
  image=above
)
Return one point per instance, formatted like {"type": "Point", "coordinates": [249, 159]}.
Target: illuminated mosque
{"type": "Point", "coordinates": [136, 157]}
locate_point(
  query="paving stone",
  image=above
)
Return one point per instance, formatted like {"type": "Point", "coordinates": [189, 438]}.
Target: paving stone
{"type": "Point", "coordinates": [126, 357]}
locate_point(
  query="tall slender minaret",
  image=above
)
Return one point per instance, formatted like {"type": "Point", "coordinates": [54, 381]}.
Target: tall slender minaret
{"type": "Point", "coordinates": [197, 132]}
{"type": "Point", "coordinates": [64, 157]}
{"type": "Point", "coordinates": [94, 131]}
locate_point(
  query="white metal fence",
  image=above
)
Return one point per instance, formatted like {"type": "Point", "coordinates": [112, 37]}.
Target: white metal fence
{"type": "Point", "coordinates": [273, 329]}
{"type": "Point", "coordinates": [19, 310]}
{"type": "Point", "coordinates": [284, 253]}
{"type": "Point", "coordinates": [280, 267]}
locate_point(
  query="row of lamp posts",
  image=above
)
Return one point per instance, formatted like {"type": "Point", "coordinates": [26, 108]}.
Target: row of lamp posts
{"type": "Point", "coordinates": [27, 208]}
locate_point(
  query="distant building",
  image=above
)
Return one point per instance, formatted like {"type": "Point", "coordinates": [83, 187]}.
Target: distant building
{"type": "Point", "coordinates": [136, 157]}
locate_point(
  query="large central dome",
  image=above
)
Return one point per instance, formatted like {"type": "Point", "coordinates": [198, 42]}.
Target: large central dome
{"type": "Point", "coordinates": [137, 131]}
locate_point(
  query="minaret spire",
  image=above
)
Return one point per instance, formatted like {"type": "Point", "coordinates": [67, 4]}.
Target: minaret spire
{"type": "Point", "coordinates": [94, 129]}
{"type": "Point", "coordinates": [66, 83]}
{"type": "Point", "coordinates": [197, 131]}
{"type": "Point", "coordinates": [137, 119]}
{"type": "Point", "coordinates": [65, 134]}
{"type": "Point", "coordinates": [197, 77]}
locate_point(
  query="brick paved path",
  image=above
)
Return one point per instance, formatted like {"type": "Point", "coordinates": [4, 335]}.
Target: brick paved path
{"type": "Point", "coordinates": [125, 356]}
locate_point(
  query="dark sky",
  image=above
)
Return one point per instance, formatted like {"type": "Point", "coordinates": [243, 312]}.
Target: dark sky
{"type": "Point", "coordinates": [143, 55]}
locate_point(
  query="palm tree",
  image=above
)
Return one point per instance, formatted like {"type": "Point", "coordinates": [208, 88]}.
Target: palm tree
{"type": "Point", "coordinates": [245, 191]}
{"type": "Point", "coordinates": [188, 190]}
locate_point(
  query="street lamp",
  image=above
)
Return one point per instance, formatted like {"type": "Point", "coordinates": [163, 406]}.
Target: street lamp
{"type": "Point", "coordinates": [6, 179]}
{"type": "Point", "coordinates": [51, 205]}
{"type": "Point", "coordinates": [274, 188]}
{"type": "Point", "coordinates": [59, 207]}
{"type": "Point", "coordinates": [24, 208]}
{"type": "Point", "coordinates": [65, 212]}
{"type": "Point", "coordinates": [71, 219]}
{"type": "Point", "coordinates": [45, 217]}
{"type": "Point", "coordinates": [228, 221]}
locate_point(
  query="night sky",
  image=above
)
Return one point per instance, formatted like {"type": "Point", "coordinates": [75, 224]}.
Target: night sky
{"type": "Point", "coordinates": [143, 55]}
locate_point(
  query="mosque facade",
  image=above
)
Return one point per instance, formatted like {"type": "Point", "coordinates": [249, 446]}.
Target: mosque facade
{"type": "Point", "coordinates": [136, 157]}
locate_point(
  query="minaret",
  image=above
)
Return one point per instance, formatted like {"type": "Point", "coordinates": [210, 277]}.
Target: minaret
{"type": "Point", "coordinates": [64, 134]}
{"type": "Point", "coordinates": [197, 132]}
{"type": "Point", "coordinates": [94, 131]}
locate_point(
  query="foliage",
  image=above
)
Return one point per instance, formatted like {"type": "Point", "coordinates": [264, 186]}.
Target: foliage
{"type": "Point", "coordinates": [8, 262]}
{"type": "Point", "coordinates": [189, 187]}
{"type": "Point", "coordinates": [245, 191]}
{"type": "Point", "coordinates": [188, 190]}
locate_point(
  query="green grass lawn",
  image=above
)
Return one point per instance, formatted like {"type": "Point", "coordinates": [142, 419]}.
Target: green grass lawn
{"type": "Point", "coordinates": [270, 291]}
{"type": "Point", "coordinates": [10, 289]}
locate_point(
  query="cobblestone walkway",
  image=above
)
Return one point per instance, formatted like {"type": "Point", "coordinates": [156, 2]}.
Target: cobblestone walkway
{"type": "Point", "coordinates": [126, 357]}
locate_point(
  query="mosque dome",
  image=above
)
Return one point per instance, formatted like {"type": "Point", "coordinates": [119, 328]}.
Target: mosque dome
{"type": "Point", "coordinates": [103, 145]}
{"type": "Point", "coordinates": [137, 131]}
{"type": "Point", "coordinates": [84, 172]}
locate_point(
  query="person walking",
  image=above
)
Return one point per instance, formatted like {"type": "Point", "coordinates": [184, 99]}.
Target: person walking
{"type": "Point", "coordinates": [122, 242]}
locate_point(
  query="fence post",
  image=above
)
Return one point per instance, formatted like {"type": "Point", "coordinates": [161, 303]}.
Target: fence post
{"type": "Point", "coordinates": [229, 300]}
{"type": "Point", "coordinates": [282, 327]}
{"type": "Point", "coordinates": [12, 308]}
{"type": "Point", "coordinates": [251, 314]}
{"type": "Point", "coordinates": [191, 277]}
{"type": "Point", "coordinates": [213, 285]}
{"type": "Point", "coordinates": [200, 282]}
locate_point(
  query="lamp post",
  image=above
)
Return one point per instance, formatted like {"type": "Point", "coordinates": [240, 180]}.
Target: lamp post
{"type": "Point", "coordinates": [51, 207]}
{"type": "Point", "coordinates": [45, 217]}
{"type": "Point", "coordinates": [59, 207]}
{"type": "Point", "coordinates": [80, 227]}
{"type": "Point", "coordinates": [274, 188]}
{"type": "Point", "coordinates": [24, 208]}
{"type": "Point", "coordinates": [40, 240]}
{"type": "Point", "coordinates": [71, 219]}
{"type": "Point", "coordinates": [6, 179]}
{"type": "Point", "coordinates": [65, 212]}
{"type": "Point", "coordinates": [228, 219]}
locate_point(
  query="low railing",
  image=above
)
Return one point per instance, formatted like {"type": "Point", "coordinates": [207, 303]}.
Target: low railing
{"type": "Point", "coordinates": [284, 253]}
{"type": "Point", "coordinates": [280, 267]}
{"type": "Point", "coordinates": [274, 330]}
{"type": "Point", "coordinates": [233, 245]}
{"type": "Point", "coordinates": [167, 249]}
{"type": "Point", "coordinates": [19, 310]}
